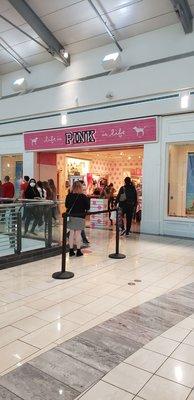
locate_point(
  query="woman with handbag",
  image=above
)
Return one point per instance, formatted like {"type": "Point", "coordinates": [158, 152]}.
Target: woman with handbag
{"type": "Point", "coordinates": [127, 199]}
{"type": "Point", "coordinates": [77, 205]}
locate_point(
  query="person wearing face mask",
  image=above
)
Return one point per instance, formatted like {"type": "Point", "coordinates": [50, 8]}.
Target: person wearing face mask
{"type": "Point", "coordinates": [32, 213]}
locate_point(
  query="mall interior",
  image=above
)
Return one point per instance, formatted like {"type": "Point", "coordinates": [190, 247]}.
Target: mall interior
{"type": "Point", "coordinates": [96, 162]}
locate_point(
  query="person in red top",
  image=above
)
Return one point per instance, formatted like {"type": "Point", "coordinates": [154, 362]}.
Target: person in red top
{"type": "Point", "coordinates": [8, 192]}
{"type": "Point", "coordinates": [8, 189]}
{"type": "Point", "coordinates": [23, 186]}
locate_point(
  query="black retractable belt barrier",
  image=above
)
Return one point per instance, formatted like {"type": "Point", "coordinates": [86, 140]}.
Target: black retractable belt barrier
{"type": "Point", "coordinates": [117, 255]}
{"type": "Point", "coordinates": [63, 274]}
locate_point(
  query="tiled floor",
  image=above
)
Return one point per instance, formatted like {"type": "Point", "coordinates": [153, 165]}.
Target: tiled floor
{"type": "Point", "coordinates": [37, 313]}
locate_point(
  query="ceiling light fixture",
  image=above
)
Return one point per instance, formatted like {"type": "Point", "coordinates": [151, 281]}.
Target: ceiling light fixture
{"type": "Point", "coordinates": [64, 119]}
{"type": "Point", "coordinates": [111, 61]}
{"type": "Point", "coordinates": [20, 84]}
{"type": "Point", "coordinates": [185, 97]}
{"type": "Point", "coordinates": [64, 54]}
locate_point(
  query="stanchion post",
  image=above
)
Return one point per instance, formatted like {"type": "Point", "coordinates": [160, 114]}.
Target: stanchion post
{"type": "Point", "coordinates": [19, 233]}
{"type": "Point", "coordinates": [63, 274]}
{"type": "Point", "coordinates": [117, 255]}
{"type": "Point", "coordinates": [49, 226]}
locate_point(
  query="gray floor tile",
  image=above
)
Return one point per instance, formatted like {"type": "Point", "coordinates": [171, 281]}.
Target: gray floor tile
{"type": "Point", "coordinates": [7, 395]}
{"type": "Point", "coordinates": [67, 370]}
{"type": "Point", "coordinates": [175, 303]}
{"type": "Point", "coordinates": [131, 331]}
{"type": "Point", "coordinates": [30, 383]}
{"type": "Point", "coordinates": [91, 354]}
{"type": "Point", "coordinates": [111, 340]}
{"type": "Point", "coordinates": [153, 316]}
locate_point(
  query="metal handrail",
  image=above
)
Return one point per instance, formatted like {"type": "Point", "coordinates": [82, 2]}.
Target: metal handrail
{"type": "Point", "coordinates": [27, 202]}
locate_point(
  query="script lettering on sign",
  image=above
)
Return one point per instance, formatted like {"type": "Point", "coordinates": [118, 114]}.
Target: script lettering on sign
{"type": "Point", "coordinates": [80, 137]}
{"type": "Point", "coordinates": [107, 134]}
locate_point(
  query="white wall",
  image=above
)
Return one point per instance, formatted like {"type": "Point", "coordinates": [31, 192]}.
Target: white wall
{"type": "Point", "coordinates": [151, 189]}
{"type": "Point", "coordinates": [162, 78]}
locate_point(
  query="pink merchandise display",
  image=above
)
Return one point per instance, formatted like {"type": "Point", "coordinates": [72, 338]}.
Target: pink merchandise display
{"type": "Point", "coordinates": [99, 220]}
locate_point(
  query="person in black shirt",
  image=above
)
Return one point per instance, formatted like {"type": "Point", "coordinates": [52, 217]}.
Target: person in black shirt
{"type": "Point", "coordinates": [77, 205]}
{"type": "Point", "coordinates": [32, 212]}
{"type": "Point", "coordinates": [127, 199]}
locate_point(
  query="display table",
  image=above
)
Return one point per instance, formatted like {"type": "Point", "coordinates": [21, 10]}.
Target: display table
{"type": "Point", "coordinates": [99, 220]}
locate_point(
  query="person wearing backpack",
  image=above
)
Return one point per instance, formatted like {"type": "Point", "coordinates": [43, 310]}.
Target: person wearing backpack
{"type": "Point", "coordinates": [127, 200]}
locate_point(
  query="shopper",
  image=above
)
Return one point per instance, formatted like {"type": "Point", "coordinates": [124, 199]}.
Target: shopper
{"type": "Point", "coordinates": [42, 191]}
{"type": "Point", "coordinates": [83, 233]}
{"type": "Point", "coordinates": [23, 186]}
{"type": "Point", "coordinates": [48, 190]}
{"type": "Point", "coordinates": [7, 192]}
{"type": "Point", "coordinates": [8, 189]}
{"type": "Point", "coordinates": [32, 211]}
{"type": "Point", "coordinates": [77, 205]}
{"type": "Point", "coordinates": [112, 191]}
{"type": "Point", "coordinates": [0, 189]}
{"type": "Point", "coordinates": [127, 199]}
{"type": "Point", "coordinates": [53, 190]}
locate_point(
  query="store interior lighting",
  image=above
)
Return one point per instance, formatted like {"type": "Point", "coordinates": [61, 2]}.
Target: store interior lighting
{"type": "Point", "coordinates": [185, 97]}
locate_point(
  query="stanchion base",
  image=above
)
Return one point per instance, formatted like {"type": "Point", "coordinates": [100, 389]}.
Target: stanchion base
{"type": "Point", "coordinates": [63, 275]}
{"type": "Point", "coordinates": [117, 256]}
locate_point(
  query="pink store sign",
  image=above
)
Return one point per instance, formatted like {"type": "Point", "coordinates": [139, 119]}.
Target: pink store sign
{"type": "Point", "coordinates": [98, 135]}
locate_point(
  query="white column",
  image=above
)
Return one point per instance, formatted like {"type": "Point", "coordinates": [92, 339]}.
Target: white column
{"type": "Point", "coordinates": [151, 189]}
{"type": "Point", "coordinates": [30, 164]}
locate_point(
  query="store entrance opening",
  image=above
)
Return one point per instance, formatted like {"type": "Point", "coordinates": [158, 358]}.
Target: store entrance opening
{"type": "Point", "coordinates": [98, 169]}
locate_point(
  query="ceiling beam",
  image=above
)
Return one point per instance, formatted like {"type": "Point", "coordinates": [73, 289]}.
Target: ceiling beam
{"type": "Point", "coordinates": [184, 13]}
{"type": "Point", "coordinates": [54, 46]}
{"type": "Point", "coordinates": [105, 25]}
{"type": "Point", "coordinates": [16, 57]}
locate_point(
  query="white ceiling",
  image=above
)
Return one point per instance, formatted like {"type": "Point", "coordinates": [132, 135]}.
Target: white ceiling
{"type": "Point", "coordinates": [75, 25]}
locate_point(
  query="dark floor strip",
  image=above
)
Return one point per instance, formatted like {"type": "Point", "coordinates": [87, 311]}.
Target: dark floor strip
{"type": "Point", "coordinates": [79, 363]}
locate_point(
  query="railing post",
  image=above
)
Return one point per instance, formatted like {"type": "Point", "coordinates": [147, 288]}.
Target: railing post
{"type": "Point", "coordinates": [63, 274]}
{"type": "Point", "coordinates": [49, 226]}
{"type": "Point", "coordinates": [117, 255]}
{"type": "Point", "coordinates": [19, 233]}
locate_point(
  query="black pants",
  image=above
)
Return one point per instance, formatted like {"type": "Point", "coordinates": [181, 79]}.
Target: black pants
{"type": "Point", "coordinates": [31, 215]}
{"type": "Point", "coordinates": [128, 211]}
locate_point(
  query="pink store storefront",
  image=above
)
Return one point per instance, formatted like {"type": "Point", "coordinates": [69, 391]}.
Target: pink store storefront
{"type": "Point", "coordinates": [97, 154]}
